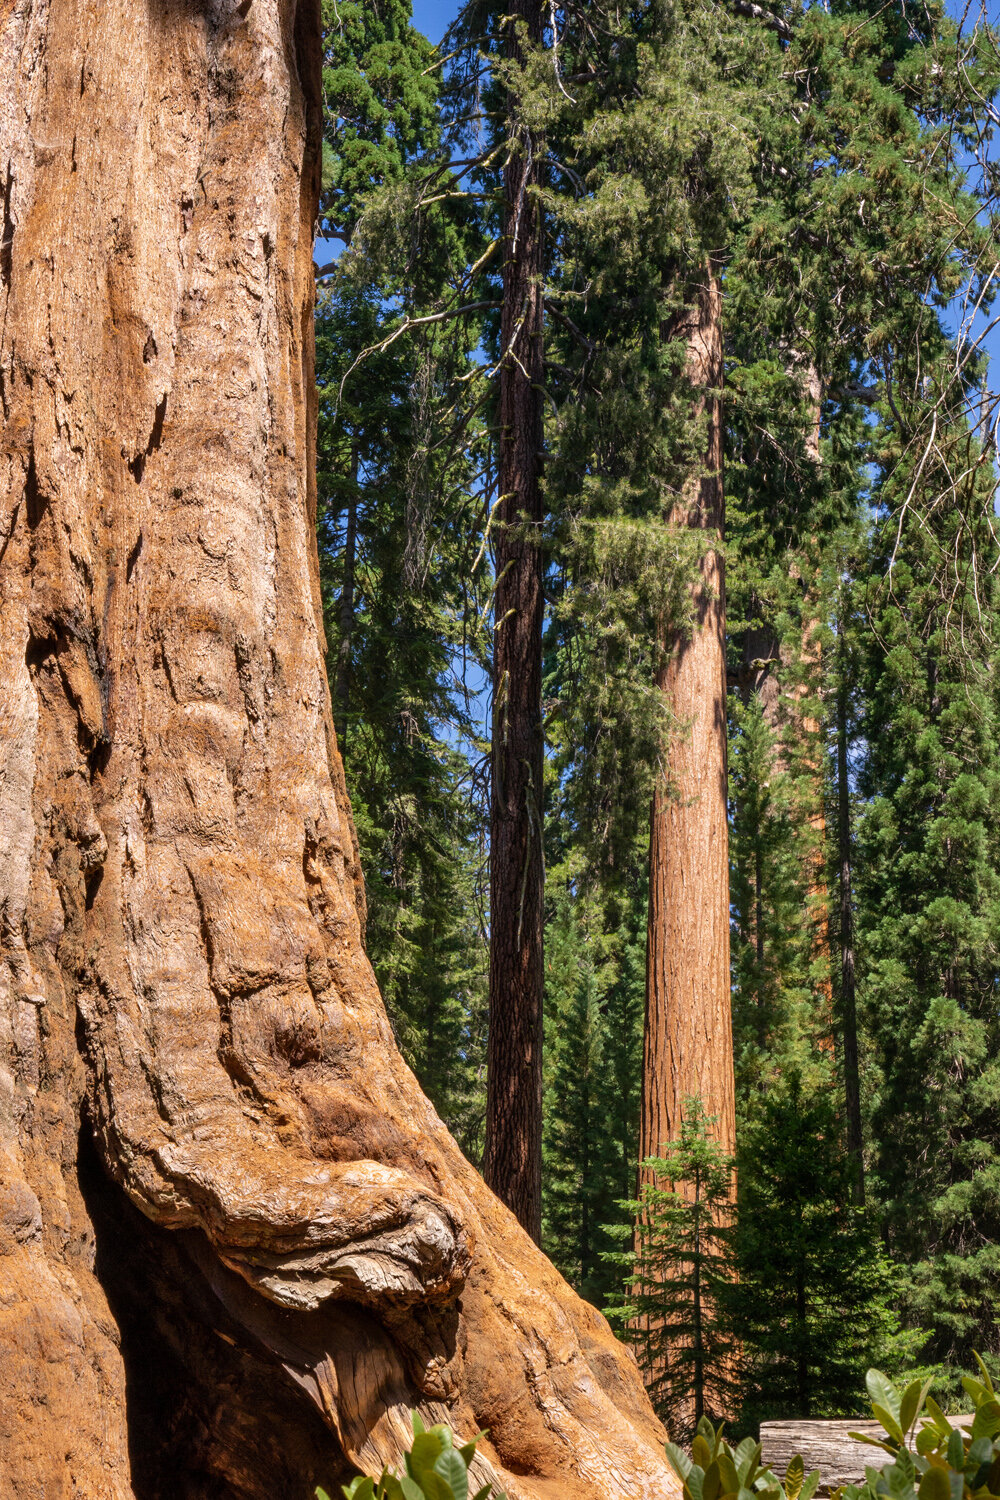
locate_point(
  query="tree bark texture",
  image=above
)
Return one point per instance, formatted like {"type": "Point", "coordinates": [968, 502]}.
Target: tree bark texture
{"type": "Point", "coordinates": [512, 1162]}
{"type": "Point", "coordinates": [236, 1243]}
{"type": "Point", "coordinates": [687, 1045]}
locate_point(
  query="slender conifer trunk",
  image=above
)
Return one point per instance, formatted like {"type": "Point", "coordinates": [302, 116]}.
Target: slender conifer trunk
{"type": "Point", "coordinates": [687, 1046]}
{"type": "Point", "coordinates": [848, 1000]}
{"type": "Point", "coordinates": [513, 1157]}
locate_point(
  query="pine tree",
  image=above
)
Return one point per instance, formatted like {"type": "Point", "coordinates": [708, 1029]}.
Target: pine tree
{"type": "Point", "coordinates": [676, 1275]}
{"type": "Point", "coordinates": [401, 517]}
{"type": "Point", "coordinates": [581, 1157]}
{"type": "Point", "coordinates": [929, 892]}
{"type": "Point", "coordinates": [811, 1305]}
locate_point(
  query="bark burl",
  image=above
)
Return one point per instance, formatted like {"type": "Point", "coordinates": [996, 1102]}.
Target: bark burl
{"type": "Point", "coordinates": [236, 1244]}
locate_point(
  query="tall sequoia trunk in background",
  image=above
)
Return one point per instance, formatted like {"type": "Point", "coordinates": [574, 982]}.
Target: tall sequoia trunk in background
{"type": "Point", "coordinates": [512, 1161]}
{"type": "Point", "coordinates": [687, 1045]}
{"type": "Point", "coordinates": [236, 1243]}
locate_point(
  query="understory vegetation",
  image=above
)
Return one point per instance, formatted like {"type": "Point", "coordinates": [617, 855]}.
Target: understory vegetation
{"type": "Point", "coordinates": [830, 165]}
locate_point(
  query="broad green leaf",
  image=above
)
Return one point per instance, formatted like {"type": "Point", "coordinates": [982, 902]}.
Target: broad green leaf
{"type": "Point", "coordinates": [469, 1448]}
{"type": "Point", "coordinates": [912, 1402]}
{"type": "Point", "coordinates": [694, 1483]}
{"type": "Point", "coordinates": [743, 1450]}
{"type": "Point", "coordinates": [935, 1485]}
{"type": "Point", "coordinates": [986, 1422]}
{"type": "Point", "coordinates": [794, 1476]}
{"type": "Point", "coordinates": [727, 1471]}
{"type": "Point", "coordinates": [711, 1485]}
{"type": "Point", "coordinates": [987, 1378]}
{"type": "Point", "coordinates": [678, 1460]}
{"type": "Point", "coordinates": [938, 1417]}
{"type": "Point", "coordinates": [900, 1482]}
{"type": "Point", "coordinates": [427, 1447]}
{"type": "Point", "coordinates": [927, 1439]}
{"type": "Point", "coordinates": [862, 1437]}
{"type": "Point", "coordinates": [810, 1486]}
{"type": "Point", "coordinates": [975, 1389]}
{"type": "Point", "coordinates": [889, 1421]}
{"type": "Point", "coordinates": [883, 1392]}
{"type": "Point", "coordinates": [980, 1451]}
{"type": "Point", "coordinates": [417, 1423]}
{"type": "Point", "coordinates": [701, 1451]}
{"type": "Point", "coordinates": [433, 1486]}
{"type": "Point", "coordinates": [409, 1489]}
{"type": "Point", "coordinates": [956, 1450]}
{"type": "Point", "coordinates": [360, 1488]}
{"type": "Point", "coordinates": [747, 1461]}
{"type": "Point", "coordinates": [451, 1467]}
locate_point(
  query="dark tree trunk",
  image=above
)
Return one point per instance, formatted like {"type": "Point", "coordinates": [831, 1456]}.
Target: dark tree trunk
{"type": "Point", "coordinates": [512, 1162]}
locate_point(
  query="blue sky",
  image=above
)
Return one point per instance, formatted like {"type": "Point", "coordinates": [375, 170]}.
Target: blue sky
{"type": "Point", "coordinates": [433, 17]}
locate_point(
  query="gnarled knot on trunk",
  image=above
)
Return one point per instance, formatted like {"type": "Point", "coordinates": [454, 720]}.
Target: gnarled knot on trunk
{"type": "Point", "coordinates": [306, 1233]}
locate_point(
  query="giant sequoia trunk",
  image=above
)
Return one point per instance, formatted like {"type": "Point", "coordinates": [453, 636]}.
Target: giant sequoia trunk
{"type": "Point", "coordinates": [512, 1161]}
{"type": "Point", "coordinates": [236, 1244]}
{"type": "Point", "coordinates": [687, 1046]}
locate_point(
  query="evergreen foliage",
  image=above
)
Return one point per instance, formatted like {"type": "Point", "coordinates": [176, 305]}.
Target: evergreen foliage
{"type": "Point", "coordinates": [401, 516]}
{"type": "Point", "coordinates": [812, 1305]}
{"type": "Point", "coordinates": [594, 986]}
{"type": "Point", "coordinates": [929, 914]}
{"type": "Point", "coordinates": [676, 1274]}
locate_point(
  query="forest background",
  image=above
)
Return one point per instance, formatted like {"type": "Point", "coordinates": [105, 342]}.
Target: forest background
{"type": "Point", "coordinates": [833, 165]}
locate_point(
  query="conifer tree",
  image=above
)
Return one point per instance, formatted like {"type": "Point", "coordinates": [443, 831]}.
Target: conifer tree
{"type": "Point", "coordinates": [929, 890]}
{"type": "Point", "coordinates": [400, 523]}
{"type": "Point", "coordinates": [811, 1305]}
{"type": "Point", "coordinates": [676, 1274]}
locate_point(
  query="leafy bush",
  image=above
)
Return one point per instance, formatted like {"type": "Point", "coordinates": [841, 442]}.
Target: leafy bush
{"type": "Point", "coordinates": [941, 1462]}
{"type": "Point", "coordinates": [715, 1471]}
{"type": "Point", "coordinates": [436, 1469]}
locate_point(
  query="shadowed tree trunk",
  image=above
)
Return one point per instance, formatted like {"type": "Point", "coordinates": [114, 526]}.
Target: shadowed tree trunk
{"type": "Point", "coordinates": [512, 1162]}
{"type": "Point", "coordinates": [236, 1243]}
{"type": "Point", "coordinates": [687, 1046]}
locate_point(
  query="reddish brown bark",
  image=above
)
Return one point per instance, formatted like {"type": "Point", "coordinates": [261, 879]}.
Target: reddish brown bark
{"type": "Point", "coordinates": [687, 1047]}
{"type": "Point", "coordinates": [512, 1163]}
{"type": "Point", "coordinates": [236, 1243]}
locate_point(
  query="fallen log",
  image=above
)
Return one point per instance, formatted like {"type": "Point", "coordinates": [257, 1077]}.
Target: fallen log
{"type": "Point", "coordinates": [828, 1447]}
